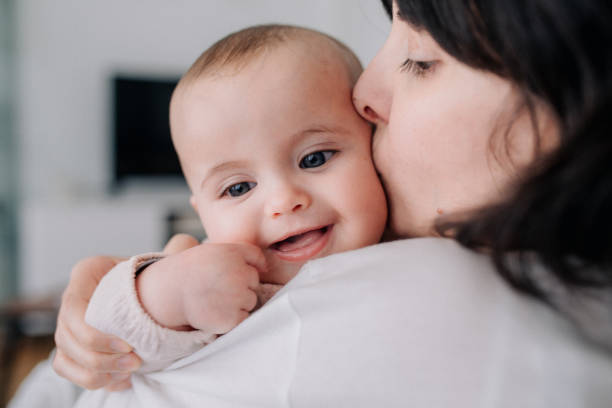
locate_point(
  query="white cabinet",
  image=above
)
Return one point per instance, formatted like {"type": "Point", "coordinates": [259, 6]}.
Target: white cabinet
{"type": "Point", "coordinates": [53, 237]}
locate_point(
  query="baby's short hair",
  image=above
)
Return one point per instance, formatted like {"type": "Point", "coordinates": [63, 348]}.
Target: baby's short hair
{"type": "Point", "coordinates": [237, 49]}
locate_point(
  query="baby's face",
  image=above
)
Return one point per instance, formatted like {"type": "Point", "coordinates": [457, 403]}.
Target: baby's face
{"type": "Point", "coordinates": [276, 156]}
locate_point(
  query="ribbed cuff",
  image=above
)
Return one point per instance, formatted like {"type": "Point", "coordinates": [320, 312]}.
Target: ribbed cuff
{"type": "Point", "coordinates": [115, 309]}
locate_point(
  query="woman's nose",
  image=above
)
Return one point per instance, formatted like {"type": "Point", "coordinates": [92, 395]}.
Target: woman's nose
{"type": "Point", "coordinates": [372, 94]}
{"type": "Point", "coordinates": [287, 200]}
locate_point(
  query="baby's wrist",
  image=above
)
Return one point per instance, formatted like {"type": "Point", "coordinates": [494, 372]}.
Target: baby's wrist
{"type": "Point", "coordinates": [157, 294]}
{"type": "Point", "coordinates": [144, 265]}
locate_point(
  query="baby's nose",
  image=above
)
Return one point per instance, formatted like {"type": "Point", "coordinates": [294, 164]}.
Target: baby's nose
{"type": "Point", "coordinates": [287, 200]}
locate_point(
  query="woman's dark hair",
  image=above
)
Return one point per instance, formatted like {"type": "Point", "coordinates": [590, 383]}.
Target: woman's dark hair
{"type": "Point", "coordinates": [559, 52]}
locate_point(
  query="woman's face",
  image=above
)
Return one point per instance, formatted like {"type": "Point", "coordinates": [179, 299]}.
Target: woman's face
{"type": "Point", "coordinates": [442, 142]}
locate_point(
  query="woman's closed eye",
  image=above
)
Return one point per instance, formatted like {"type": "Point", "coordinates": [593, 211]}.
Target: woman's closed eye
{"type": "Point", "coordinates": [238, 189]}
{"type": "Point", "coordinates": [316, 159]}
{"type": "Point", "coordinates": [418, 68]}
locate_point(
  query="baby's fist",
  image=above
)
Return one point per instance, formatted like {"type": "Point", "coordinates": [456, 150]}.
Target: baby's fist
{"type": "Point", "coordinates": [210, 287]}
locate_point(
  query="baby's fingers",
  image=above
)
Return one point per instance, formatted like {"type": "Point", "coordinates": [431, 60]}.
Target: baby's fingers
{"type": "Point", "coordinates": [254, 256]}
{"type": "Point", "coordinates": [231, 321]}
{"type": "Point", "coordinates": [218, 317]}
{"type": "Point", "coordinates": [249, 301]}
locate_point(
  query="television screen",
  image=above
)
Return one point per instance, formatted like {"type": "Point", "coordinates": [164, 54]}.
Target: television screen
{"type": "Point", "coordinates": [142, 145]}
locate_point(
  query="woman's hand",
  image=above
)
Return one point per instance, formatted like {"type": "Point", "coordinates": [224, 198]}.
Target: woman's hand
{"type": "Point", "coordinates": [84, 355]}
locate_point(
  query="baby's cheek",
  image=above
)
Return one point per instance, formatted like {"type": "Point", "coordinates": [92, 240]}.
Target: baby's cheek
{"type": "Point", "coordinates": [370, 207]}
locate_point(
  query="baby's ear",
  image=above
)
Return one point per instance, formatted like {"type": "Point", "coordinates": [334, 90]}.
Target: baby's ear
{"type": "Point", "coordinates": [193, 203]}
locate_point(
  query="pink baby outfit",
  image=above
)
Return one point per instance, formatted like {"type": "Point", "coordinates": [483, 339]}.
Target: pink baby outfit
{"type": "Point", "coordinates": [115, 309]}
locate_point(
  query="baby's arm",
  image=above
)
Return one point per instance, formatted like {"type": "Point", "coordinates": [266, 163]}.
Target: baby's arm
{"type": "Point", "coordinates": [115, 309]}
{"type": "Point", "coordinates": [209, 288]}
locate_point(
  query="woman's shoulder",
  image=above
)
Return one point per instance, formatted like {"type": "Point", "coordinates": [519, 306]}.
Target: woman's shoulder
{"type": "Point", "coordinates": [436, 274]}
{"type": "Point", "coordinates": [440, 268]}
{"type": "Point", "coordinates": [433, 274]}
{"type": "Point", "coordinates": [432, 261]}
{"type": "Point", "coordinates": [431, 304]}
{"type": "Point", "coordinates": [414, 251]}
{"type": "Point", "coordinates": [447, 284]}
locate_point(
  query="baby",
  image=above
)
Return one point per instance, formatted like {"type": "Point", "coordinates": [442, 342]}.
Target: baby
{"type": "Point", "coordinates": [280, 170]}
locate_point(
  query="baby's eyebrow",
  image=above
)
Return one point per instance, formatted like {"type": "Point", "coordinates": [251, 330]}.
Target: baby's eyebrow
{"type": "Point", "coordinates": [222, 167]}
{"type": "Point", "coordinates": [316, 129]}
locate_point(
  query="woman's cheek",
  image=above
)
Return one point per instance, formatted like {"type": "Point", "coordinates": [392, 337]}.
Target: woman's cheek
{"type": "Point", "coordinates": [398, 182]}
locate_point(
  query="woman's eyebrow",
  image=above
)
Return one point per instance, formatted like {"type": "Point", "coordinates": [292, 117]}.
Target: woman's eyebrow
{"type": "Point", "coordinates": [224, 166]}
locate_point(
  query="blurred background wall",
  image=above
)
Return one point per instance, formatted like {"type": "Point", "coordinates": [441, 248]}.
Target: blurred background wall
{"type": "Point", "coordinates": [8, 162]}
{"type": "Point", "coordinates": [58, 200]}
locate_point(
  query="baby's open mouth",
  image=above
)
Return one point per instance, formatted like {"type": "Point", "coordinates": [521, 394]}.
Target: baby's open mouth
{"type": "Point", "coordinates": [300, 241]}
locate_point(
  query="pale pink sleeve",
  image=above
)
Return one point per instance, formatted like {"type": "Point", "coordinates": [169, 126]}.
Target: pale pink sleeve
{"type": "Point", "coordinates": [115, 309]}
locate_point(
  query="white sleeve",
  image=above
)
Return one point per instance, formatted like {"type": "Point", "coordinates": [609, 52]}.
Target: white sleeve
{"type": "Point", "coordinates": [115, 309]}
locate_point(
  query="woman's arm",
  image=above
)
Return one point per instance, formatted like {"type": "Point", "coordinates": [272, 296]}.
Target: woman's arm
{"type": "Point", "coordinates": [86, 356]}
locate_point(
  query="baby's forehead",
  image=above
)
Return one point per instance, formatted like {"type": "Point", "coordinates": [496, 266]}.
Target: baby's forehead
{"type": "Point", "coordinates": [319, 46]}
{"type": "Point", "coordinates": [306, 55]}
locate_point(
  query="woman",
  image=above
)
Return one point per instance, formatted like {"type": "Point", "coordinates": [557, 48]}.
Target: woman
{"type": "Point", "coordinates": [492, 127]}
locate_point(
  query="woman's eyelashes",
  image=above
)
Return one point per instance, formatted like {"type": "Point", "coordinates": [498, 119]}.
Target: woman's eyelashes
{"type": "Point", "coordinates": [418, 68]}
{"type": "Point", "coordinates": [238, 189]}
{"type": "Point", "coordinates": [316, 159]}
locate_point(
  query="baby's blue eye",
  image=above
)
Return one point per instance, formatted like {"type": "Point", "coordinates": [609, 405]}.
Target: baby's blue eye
{"type": "Point", "coordinates": [316, 159]}
{"type": "Point", "coordinates": [239, 189]}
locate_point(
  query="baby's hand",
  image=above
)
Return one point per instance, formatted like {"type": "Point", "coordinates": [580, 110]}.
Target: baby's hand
{"type": "Point", "coordinates": [210, 287]}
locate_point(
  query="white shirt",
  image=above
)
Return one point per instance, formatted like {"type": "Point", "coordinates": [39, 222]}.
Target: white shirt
{"type": "Point", "coordinates": [413, 323]}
